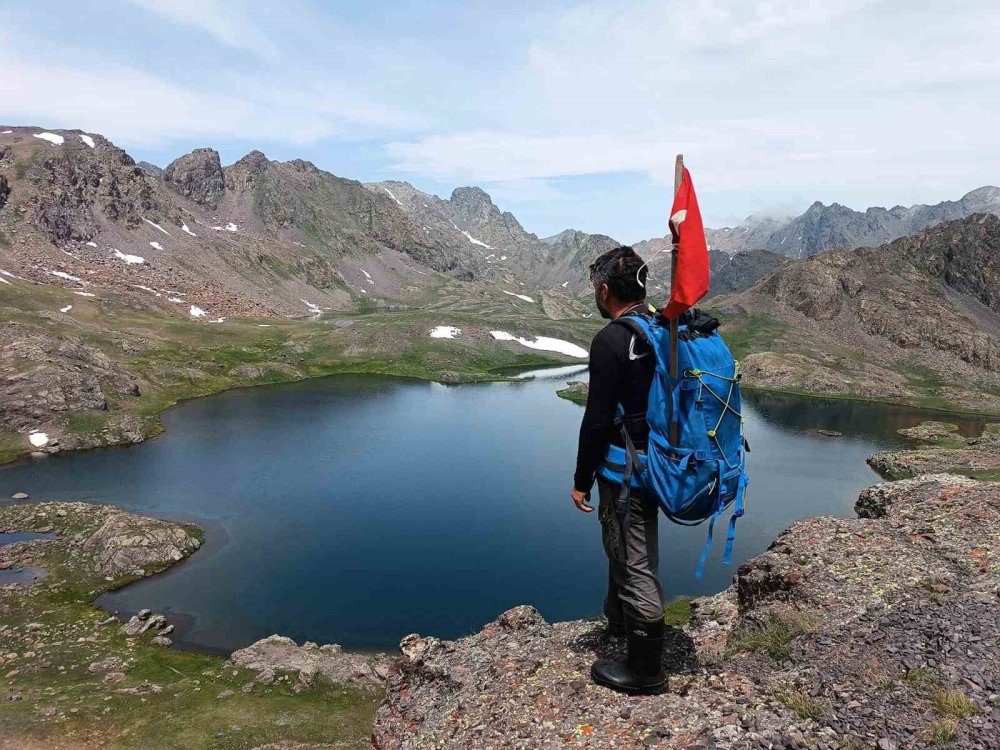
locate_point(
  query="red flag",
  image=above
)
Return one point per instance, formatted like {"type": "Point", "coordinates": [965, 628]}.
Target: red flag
{"type": "Point", "coordinates": [691, 277]}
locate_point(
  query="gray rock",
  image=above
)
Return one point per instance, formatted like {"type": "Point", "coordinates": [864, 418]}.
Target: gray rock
{"type": "Point", "coordinates": [277, 654]}
{"type": "Point", "coordinates": [20, 496]}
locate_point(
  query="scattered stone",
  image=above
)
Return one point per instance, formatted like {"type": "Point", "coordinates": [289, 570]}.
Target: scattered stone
{"type": "Point", "coordinates": [161, 640]}
{"type": "Point", "coordinates": [111, 664]}
{"type": "Point", "coordinates": [143, 688]}
{"type": "Point", "coordinates": [20, 496]}
{"type": "Point", "coordinates": [265, 676]}
{"type": "Point", "coordinates": [225, 694]}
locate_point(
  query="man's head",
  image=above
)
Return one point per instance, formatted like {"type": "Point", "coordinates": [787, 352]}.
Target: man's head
{"type": "Point", "coordinates": [619, 279]}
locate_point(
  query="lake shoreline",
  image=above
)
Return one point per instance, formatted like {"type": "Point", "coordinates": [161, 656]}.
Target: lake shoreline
{"type": "Point", "coordinates": [490, 376]}
{"type": "Point", "coordinates": [716, 620]}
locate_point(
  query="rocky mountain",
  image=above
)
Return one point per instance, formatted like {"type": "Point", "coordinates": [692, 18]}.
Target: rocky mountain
{"type": "Point", "coordinates": [258, 237]}
{"type": "Point", "coordinates": [824, 227]}
{"type": "Point", "coordinates": [753, 233]}
{"type": "Point", "coordinates": [742, 270]}
{"type": "Point", "coordinates": [505, 249]}
{"type": "Point", "coordinates": [912, 317]}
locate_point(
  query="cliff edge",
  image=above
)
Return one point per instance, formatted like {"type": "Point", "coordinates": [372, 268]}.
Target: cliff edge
{"type": "Point", "coordinates": [876, 632]}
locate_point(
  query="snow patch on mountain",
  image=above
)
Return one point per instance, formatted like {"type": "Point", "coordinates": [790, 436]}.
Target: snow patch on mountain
{"type": "Point", "coordinates": [196, 312]}
{"type": "Point", "coordinates": [544, 343]}
{"type": "Point", "coordinates": [88, 140]}
{"type": "Point", "coordinates": [129, 259]}
{"type": "Point", "coordinates": [446, 332]}
{"type": "Point", "coordinates": [64, 275]}
{"type": "Point", "coordinates": [525, 297]}
{"type": "Point", "coordinates": [391, 195]}
{"type": "Point", "coordinates": [154, 224]}
{"type": "Point", "coordinates": [474, 241]}
{"type": "Point", "coordinates": [156, 245]}
{"type": "Point", "coordinates": [54, 138]}
{"type": "Point", "coordinates": [184, 227]}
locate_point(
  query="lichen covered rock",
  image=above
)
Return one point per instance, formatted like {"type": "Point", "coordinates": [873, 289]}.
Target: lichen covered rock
{"type": "Point", "coordinates": [839, 636]}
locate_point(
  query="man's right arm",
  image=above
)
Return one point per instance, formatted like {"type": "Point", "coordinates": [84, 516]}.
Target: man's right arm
{"type": "Point", "coordinates": [602, 402]}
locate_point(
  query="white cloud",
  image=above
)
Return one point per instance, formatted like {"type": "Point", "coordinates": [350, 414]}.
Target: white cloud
{"type": "Point", "coordinates": [132, 106]}
{"type": "Point", "coordinates": [225, 22]}
{"type": "Point", "coordinates": [798, 96]}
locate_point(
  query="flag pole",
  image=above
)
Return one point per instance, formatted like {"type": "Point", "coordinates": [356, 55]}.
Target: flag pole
{"type": "Point", "coordinates": [678, 175]}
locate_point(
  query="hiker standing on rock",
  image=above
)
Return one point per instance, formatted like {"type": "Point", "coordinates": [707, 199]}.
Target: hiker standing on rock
{"type": "Point", "coordinates": [621, 371]}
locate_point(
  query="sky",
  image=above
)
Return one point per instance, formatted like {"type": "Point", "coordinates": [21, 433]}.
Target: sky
{"type": "Point", "coordinates": [569, 114]}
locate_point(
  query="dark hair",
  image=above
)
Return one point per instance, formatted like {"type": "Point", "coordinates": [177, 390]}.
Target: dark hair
{"type": "Point", "coordinates": [623, 271]}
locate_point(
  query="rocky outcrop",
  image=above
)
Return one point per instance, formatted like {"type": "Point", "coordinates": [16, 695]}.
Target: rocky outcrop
{"type": "Point", "coordinates": [99, 543]}
{"type": "Point", "coordinates": [46, 377]}
{"type": "Point", "coordinates": [198, 176]}
{"type": "Point", "coordinates": [880, 632]}
{"type": "Point", "coordinates": [277, 655]}
{"type": "Point", "coordinates": [75, 192]}
{"type": "Point", "coordinates": [942, 448]}
{"type": "Point", "coordinates": [126, 544]}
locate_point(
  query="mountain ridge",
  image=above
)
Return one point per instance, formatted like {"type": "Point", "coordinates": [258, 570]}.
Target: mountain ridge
{"type": "Point", "coordinates": [826, 227]}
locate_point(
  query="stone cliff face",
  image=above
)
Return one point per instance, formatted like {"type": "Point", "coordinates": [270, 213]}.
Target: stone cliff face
{"type": "Point", "coordinates": [197, 176]}
{"type": "Point", "coordinates": [881, 631]}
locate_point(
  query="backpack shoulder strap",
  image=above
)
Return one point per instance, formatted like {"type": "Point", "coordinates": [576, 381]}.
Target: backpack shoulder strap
{"type": "Point", "coordinates": [637, 323]}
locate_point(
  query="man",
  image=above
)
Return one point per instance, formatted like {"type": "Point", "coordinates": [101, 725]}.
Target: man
{"type": "Point", "coordinates": [621, 371]}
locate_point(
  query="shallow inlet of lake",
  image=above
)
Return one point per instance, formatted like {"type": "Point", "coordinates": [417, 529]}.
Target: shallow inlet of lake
{"type": "Point", "coordinates": [357, 509]}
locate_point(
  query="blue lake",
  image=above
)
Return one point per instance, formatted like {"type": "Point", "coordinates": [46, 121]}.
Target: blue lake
{"type": "Point", "coordinates": [356, 510]}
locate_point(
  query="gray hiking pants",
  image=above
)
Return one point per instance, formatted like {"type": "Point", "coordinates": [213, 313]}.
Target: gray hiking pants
{"type": "Point", "coordinates": [634, 589]}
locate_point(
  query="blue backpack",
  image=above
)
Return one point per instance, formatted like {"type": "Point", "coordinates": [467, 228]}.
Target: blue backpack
{"type": "Point", "coordinates": [698, 479]}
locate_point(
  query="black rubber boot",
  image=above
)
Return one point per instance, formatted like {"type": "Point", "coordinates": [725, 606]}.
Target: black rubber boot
{"type": "Point", "coordinates": [642, 672]}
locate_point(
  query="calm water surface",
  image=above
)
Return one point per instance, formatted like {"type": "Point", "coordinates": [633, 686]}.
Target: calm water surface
{"type": "Point", "coordinates": [356, 510]}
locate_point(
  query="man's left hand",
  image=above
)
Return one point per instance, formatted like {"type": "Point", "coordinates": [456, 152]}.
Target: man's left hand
{"type": "Point", "coordinates": [580, 500]}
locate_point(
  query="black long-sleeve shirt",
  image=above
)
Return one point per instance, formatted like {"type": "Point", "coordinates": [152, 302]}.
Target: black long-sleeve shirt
{"type": "Point", "coordinates": [621, 371]}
